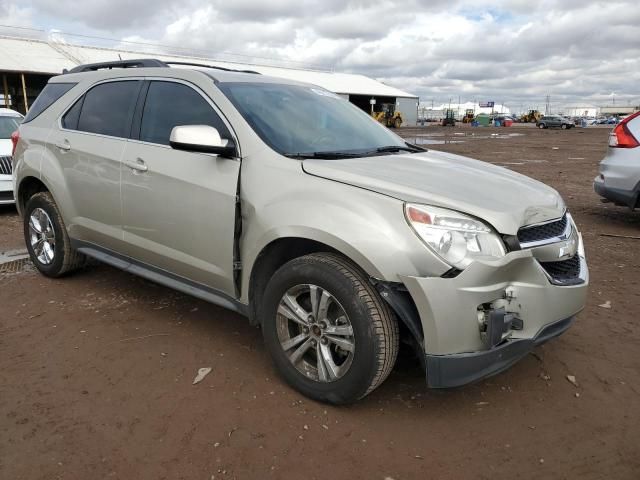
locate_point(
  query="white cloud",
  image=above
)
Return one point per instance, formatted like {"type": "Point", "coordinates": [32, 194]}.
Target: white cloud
{"type": "Point", "coordinates": [513, 50]}
{"type": "Point", "coordinates": [15, 15]}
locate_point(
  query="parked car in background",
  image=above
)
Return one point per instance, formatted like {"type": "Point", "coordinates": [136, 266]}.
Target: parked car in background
{"type": "Point", "coordinates": [608, 121]}
{"type": "Point", "coordinates": [9, 123]}
{"type": "Point", "coordinates": [554, 121]}
{"type": "Point", "coordinates": [288, 204]}
{"type": "Point", "coordinates": [619, 179]}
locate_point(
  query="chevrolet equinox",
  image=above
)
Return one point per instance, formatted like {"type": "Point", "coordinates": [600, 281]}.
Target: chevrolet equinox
{"type": "Point", "coordinates": [289, 205]}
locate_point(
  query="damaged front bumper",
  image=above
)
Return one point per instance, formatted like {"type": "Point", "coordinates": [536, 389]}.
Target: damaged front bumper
{"type": "Point", "coordinates": [492, 314]}
{"type": "Point", "coordinates": [447, 371]}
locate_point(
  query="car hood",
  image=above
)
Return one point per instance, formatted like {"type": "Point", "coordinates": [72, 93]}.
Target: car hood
{"type": "Point", "coordinates": [501, 197]}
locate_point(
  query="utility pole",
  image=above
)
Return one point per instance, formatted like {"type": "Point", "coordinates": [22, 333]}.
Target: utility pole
{"type": "Point", "coordinates": [548, 105]}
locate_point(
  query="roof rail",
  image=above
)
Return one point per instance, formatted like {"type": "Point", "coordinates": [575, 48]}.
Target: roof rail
{"type": "Point", "coordinates": [212, 66]}
{"type": "Point", "coordinates": [139, 63]}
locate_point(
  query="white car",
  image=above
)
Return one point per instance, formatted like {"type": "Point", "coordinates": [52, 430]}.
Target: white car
{"type": "Point", "coordinates": [9, 122]}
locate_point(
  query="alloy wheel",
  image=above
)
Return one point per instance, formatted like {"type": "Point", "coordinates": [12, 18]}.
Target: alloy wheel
{"type": "Point", "coordinates": [42, 236]}
{"type": "Point", "coordinates": [315, 333]}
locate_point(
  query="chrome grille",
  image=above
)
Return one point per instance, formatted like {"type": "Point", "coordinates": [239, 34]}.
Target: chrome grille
{"type": "Point", "coordinates": [563, 272]}
{"type": "Point", "coordinates": [6, 165]}
{"type": "Point", "coordinates": [545, 231]}
{"type": "Point", "coordinates": [565, 269]}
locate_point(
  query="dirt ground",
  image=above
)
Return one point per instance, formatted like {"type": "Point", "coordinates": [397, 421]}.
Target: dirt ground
{"type": "Point", "coordinates": [96, 372]}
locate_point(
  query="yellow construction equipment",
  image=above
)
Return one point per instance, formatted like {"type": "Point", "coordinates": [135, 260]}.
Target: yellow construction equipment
{"type": "Point", "coordinates": [468, 116]}
{"type": "Point", "coordinates": [532, 117]}
{"type": "Point", "coordinates": [388, 116]}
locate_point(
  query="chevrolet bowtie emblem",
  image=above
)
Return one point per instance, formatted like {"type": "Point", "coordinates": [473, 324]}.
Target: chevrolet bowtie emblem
{"type": "Point", "coordinates": [568, 249]}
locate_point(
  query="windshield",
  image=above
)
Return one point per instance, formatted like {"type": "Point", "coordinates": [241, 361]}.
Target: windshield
{"type": "Point", "coordinates": [8, 125]}
{"type": "Point", "coordinates": [305, 120]}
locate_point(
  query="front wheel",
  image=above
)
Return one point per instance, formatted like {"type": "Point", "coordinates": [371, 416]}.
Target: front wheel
{"type": "Point", "coordinates": [541, 126]}
{"type": "Point", "coordinates": [327, 330]}
{"type": "Point", "coordinates": [564, 126]}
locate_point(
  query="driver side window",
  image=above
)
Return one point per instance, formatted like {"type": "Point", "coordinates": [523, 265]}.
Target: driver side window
{"type": "Point", "coordinates": [170, 104]}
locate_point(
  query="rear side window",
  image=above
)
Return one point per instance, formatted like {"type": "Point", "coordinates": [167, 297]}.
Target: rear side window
{"type": "Point", "coordinates": [49, 95]}
{"type": "Point", "coordinates": [106, 109]}
{"type": "Point", "coordinates": [171, 104]}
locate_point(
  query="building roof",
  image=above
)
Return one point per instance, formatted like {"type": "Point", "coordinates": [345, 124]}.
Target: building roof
{"type": "Point", "coordinates": [578, 105]}
{"type": "Point", "coordinates": [33, 56]}
{"type": "Point", "coordinates": [51, 57]}
{"type": "Point", "coordinates": [461, 107]}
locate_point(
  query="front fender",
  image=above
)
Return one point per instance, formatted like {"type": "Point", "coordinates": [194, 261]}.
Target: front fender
{"type": "Point", "coordinates": [367, 227]}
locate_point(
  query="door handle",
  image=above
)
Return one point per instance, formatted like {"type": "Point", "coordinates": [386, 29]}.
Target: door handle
{"type": "Point", "coordinates": [65, 147]}
{"type": "Point", "coordinates": [138, 165]}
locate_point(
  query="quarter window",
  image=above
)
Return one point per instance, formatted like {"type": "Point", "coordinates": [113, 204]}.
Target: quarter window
{"type": "Point", "coordinates": [107, 109]}
{"type": "Point", "coordinates": [70, 119]}
{"type": "Point", "coordinates": [170, 104]}
{"type": "Point", "coordinates": [48, 96]}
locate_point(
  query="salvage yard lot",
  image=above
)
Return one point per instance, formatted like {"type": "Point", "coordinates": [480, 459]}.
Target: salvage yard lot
{"type": "Point", "coordinates": [96, 371]}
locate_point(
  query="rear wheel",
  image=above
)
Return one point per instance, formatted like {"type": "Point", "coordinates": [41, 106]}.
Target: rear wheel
{"type": "Point", "coordinates": [541, 126]}
{"type": "Point", "coordinates": [46, 237]}
{"type": "Point", "coordinates": [564, 126]}
{"type": "Point", "coordinates": [397, 123]}
{"type": "Point", "coordinates": [327, 330]}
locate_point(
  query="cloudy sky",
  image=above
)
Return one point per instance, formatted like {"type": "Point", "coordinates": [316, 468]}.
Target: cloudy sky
{"type": "Point", "coordinates": [516, 51]}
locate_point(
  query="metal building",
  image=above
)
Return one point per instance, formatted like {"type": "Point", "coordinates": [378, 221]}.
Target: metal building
{"type": "Point", "coordinates": [26, 65]}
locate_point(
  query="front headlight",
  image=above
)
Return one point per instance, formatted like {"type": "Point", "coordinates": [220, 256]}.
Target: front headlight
{"type": "Point", "coordinates": [457, 238]}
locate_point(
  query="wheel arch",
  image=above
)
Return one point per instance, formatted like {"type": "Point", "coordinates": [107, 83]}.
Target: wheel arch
{"type": "Point", "coordinates": [283, 249]}
{"type": "Point", "coordinates": [279, 251]}
{"type": "Point", "coordinates": [28, 186]}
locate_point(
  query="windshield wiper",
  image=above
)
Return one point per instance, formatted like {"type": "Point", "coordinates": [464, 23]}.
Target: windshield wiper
{"type": "Point", "coordinates": [323, 155]}
{"type": "Point", "coordinates": [338, 154]}
{"type": "Point", "coordinates": [400, 148]}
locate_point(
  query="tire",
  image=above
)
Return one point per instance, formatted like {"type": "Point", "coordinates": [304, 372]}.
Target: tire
{"type": "Point", "coordinates": [397, 123]}
{"type": "Point", "coordinates": [542, 126]}
{"type": "Point", "coordinates": [59, 258]}
{"type": "Point", "coordinates": [564, 126]}
{"type": "Point", "coordinates": [374, 328]}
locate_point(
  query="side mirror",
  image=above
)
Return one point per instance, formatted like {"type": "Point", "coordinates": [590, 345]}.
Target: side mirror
{"type": "Point", "coordinates": [201, 138]}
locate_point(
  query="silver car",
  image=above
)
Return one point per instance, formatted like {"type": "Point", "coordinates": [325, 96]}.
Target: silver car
{"type": "Point", "coordinates": [285, 203]}
{"type": "Point", "coordinates": [619, 178]}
